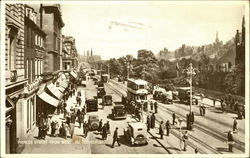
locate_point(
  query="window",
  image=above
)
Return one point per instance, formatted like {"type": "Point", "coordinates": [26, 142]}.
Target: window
{"type": "Point", "coordinates": [28, 114]}
{"type": "Point", "coordinates": [34, 109]}
{"type": "Point", "coordinates": [36, 39]}
{"type": "Point", "coordinates": [36, 68]}
{"type": "Point", "coordinates": [31, 75]}
{"type": "Point", "coordinates": [27, 68]}
{"type": "Point", "coordinates": [12, 48]}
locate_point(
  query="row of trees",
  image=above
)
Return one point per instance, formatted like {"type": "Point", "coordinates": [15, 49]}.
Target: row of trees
{"type": "Point", "coordinates": [160, 70]}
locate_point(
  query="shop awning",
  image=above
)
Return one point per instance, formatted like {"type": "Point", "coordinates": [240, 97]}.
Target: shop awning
{"type": "Point", "coordinates": [63, 84]}
{"type": "Point", "coordinates": [72, 73]}
{"type": "Point", "coordinates": [61, 89]}
{"type": "Point", "coordinates": [55, 91]}
{"type": "Point", "coordinates": [48, 99]}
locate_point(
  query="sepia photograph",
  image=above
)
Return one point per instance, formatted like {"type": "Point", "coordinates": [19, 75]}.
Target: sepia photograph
{"type": "Point", "coordinates": [125, 78]}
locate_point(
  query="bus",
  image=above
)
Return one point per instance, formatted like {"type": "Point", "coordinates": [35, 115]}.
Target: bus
{"type": "Point", "coordinates": [105, 78]}
{"type": "Point", "coordinates": [137, 92]}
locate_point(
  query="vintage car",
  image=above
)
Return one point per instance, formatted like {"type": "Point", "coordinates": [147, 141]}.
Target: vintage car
{"type": "Point", "coordinates": [184, 96]}
{"type": "Point", "coordinates": [100, 92]}
{"type": "Point", "coordinates": [119, 112]}
{"type": "Point", "coordinates": [93, 122]}
{"type": "Point", "coordinates": [100, 84]}
{"type": "Point", "coordinates": [92, 105]}
{"type": "Point", "coordinates": [136, 133]}
{"type": "Point", "coordinates": [107, 100]}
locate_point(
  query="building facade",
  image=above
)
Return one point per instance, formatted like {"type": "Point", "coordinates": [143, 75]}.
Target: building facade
{"type": "Point", "coordinates": [52, 24]}
{"type": "Point", "coordinates": [69, 58]}
{"type": "Point", "coordinates": [14, 71]}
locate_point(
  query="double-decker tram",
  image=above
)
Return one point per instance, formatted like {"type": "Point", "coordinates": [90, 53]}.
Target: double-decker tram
{"type": "Point", "coordinates": [136, 93]}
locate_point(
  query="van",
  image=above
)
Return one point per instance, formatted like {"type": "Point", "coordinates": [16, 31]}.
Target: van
{"type": "Point", "coordinates": [136, 133]}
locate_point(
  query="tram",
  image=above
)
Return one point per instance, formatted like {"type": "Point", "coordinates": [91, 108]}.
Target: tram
{"type": "Point", "coordinates": [105, 78]}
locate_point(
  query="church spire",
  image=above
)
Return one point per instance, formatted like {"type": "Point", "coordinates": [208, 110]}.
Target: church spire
{"type": "Point", "coordinates": [217, 38]}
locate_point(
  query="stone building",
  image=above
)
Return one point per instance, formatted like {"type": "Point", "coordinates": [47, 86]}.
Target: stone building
{"type": "Point", "coordinates": [52, 24]}
{"type": "Point", "coordinates": [34, 50]}
{"type": "Point", "coordinates": [69, 58]}
{"type": "Point", "coordinates": [15, 80]}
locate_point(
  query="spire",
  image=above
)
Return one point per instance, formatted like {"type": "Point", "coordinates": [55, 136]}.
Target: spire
{"type": "Point", "coordinates": [217, 38]}
{"type": "Point", "coordinates": [243, 30]}
{"type": "Point", "coordinates": [91, 52]}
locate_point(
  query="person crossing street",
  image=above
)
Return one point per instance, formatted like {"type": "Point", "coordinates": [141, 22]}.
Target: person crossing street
{"type": "Point", "coordinates": [115, 138]}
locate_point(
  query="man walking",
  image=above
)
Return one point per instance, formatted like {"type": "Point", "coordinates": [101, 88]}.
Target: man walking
{"type": "Point", "coordinates": [161, 129]}
{"type": "Point", "coordinates": [153, 120]}
{"type": "Point", "coordinates": [230, 140]}
{"type": "Point", "coordinates": [115, 138]}
{"type": "Point", "coordinates": [148, 123]}
{"type": "Point", "coordinates": [80, 119]}
{"type": "Point", "coordinates": [174, 119]}
{"type": "Point", "coordinates": [185, 139]}
{"type": "Point", "coordinates": [156, 107]}
{"type": "Point", "coordinates": [167, 127]}
{"type": "Point", "coordinates": [235, 128]}
{"type": "Point", "coordinates": [100, 126]}
{"type": "Point", "coordinates": [72, 124]}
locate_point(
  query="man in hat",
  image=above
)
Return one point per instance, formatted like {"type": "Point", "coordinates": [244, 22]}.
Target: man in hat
{"type": "Point", "coordinates": [115, 138]}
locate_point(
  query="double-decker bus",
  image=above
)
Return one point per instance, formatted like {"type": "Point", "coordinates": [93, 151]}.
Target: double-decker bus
{"type": "Point", "coordinates": [136, 93]}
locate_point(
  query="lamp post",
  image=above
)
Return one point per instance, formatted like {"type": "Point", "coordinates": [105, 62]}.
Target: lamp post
{"type": "Point", "coordinates": [191, 71]}
{"type": "Point", "coordinates": [180, 121]}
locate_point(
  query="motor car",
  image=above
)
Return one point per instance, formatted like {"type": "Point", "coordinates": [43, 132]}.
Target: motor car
{"type": "Point", "coordinates": [92, 105]}
{"type": "Point", "coordinates": [93, 122]}
{"type": "Point", "coordinates": [136, 133]}
{"type": "Point", "coordinates": [119, 112]}
{"type": "Point", "coordinates": [100, 92]}
{"type": "Point", "coordinates": [107, 100]}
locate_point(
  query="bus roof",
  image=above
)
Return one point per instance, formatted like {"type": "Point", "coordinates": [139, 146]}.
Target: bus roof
{"type": "Point", "coordinates": [138, 81]}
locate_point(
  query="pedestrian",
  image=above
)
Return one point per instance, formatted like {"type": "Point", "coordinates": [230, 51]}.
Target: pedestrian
{"type": "Point", "coordinates": [153, 120]}
{"type": "Point", "coordinates": [156, 107]}
{"type": "Point", "coordinates": [80, 119]}
{"type": "Point", "coordinates": [85, 128]}
{"type": "Point", "coordinates": [39, 125]}
{"type": "Point", "coordinates": [104, 132]}
{"type": "Point", "coordinates": [53, 128]}
{"type": "Point", "coordinates": [44, 130]}
{"type": "Point", "coordinates": [167, 127]}
{"type": "Point", "coordinates": [174, 119]}
{"type": "Point", "coordinates": [201, 110]}
{"type": "Point", "coordinates": [80, 101]}
{"type": "Point", "coordinates": [63, 131]}
{"type": "Point", "coordinates": [100, 126]}
{"type": "Point", "coordinates": [115, 138]}
{"type": "Point", "coordinates": [161, 129]}
{"type": "Point", "coordinates": [230, 140]}
{"type": "Point", "coordinates": [72, 124]}
{"type": "Point", "coordinates": [151, 105]}
{"type": "Point", "coordinates": [223, 105]}
{"type": "Point", "coordinates": [108, 127]}
{"type": "Point", "coordinates": [185, 139]}
{"type": "Point", "coordinates": [204, 110]}
{"type": "Point", "coordinates": [196, 150]}
{"type": "Point", "coordinates": [148, 123]}
{"type": "Point", "coordinates": [236, 105]}
{"type": "Point", "coordinates": [192, 117]}
{"type": "Point", "coordinates": [235, 125]}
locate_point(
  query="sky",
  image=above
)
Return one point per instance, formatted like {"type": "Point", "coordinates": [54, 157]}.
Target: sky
{"type": "Point", "coordinates": [114, 29]}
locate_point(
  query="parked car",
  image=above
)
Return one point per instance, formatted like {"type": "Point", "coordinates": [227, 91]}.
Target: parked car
{"type": "Point", "coordinates": [93, 122]}
{"type": "Point", "coordinates": [100, 92]}
{"type": "Point", "coordinates": [136, 133]}
{"type": "Point", "coordinates": [92, 105]}
{"type": "Point", "coordinates": [119, 112]}
{"type": "Point", "coordinates": [107, 100]}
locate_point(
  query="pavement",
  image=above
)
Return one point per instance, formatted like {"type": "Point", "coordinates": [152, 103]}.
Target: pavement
{"type": "Point", "coordinates": [75, 146]}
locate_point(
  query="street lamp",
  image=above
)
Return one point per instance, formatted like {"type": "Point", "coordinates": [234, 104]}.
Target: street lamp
{"type": "Point", "coordinates": [180, 121]}
{"type": "Point", "coordinates": [190, 71]}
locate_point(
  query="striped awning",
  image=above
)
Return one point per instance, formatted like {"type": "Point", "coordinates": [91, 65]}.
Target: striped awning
{"type": "Point", "coordinates": [49, 99]}
{"type": "Point", "coordinates": [72, 73]}
{"type": "Point", "coordinates": [55, 91]}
